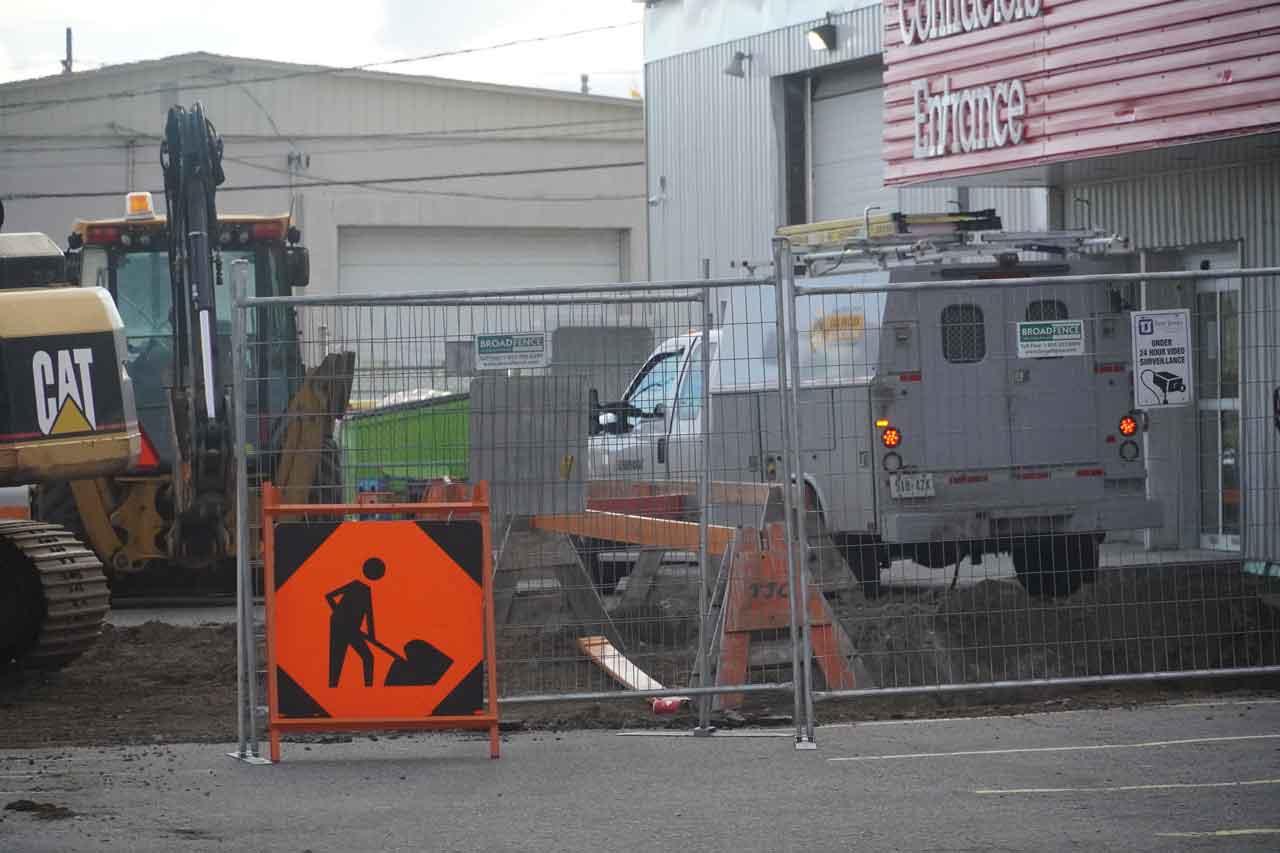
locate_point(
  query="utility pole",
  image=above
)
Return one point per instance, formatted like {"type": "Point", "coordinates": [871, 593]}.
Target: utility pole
{"type": "Point", "coordinates": [66, 63]}
{"type": "Point", "coordinates": [586, 89]}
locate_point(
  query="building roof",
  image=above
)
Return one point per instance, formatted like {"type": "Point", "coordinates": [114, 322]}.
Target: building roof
{"type": "Point", "coordinates": [256, 96]}
{"type": "Point", "coordinates": [270, 70]}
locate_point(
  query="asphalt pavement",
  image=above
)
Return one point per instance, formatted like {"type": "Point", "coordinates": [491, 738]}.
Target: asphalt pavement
{"type": "Point", "coordinates": [1193, 776]}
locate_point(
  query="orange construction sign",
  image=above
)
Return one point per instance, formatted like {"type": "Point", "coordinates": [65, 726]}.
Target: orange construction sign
{"type": "Point", "coordinates": [379, 624]}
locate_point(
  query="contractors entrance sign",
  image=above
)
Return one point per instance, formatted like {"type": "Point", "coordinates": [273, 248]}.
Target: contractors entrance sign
{"type": "Point", "coordinates": [979, 86]}
{"type": "Point", "coordinates": [929, 20]}
{"type": "Point", "coordinates": [947, 121]}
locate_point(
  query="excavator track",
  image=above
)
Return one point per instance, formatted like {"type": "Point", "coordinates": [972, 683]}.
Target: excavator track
{"type": "Point", "coordinates": [74, 588]}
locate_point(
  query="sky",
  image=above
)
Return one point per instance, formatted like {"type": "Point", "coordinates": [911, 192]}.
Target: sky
{"type": "Point", "coordinates": [328, 32]}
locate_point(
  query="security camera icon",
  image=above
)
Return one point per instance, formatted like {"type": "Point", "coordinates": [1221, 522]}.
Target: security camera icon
{"type": "Point", "coordinates": [1146, 326]}
{"type": "Point", "coordinates": [1170, 383]}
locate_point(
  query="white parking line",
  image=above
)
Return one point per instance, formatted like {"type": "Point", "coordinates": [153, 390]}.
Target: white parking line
{"type": "Point", "coordinates": [716, 736]}
{"type": "Point", "coordinates": [1220, 833]}
{"type": "Point", "coordinates": [1046, 713]}
{"type": "Point", "coordinates": [1081, 748]}
{"type": "Point", "coordinates": [1111, 789]}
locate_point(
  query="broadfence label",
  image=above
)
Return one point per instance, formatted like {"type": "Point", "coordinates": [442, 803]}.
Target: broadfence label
{"type": "Point", "coordinates": [498, 352]}
{"type": "Point", "coordinates": [1050, 338]}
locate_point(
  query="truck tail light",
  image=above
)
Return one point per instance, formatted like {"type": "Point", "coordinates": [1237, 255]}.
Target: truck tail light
{"type": "Point", "coordinates": [1128, 426]}
{"type": "Point", "coordinates": [891, 437]}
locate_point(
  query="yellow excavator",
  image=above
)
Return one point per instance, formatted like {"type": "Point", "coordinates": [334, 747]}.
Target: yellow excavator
{"type": "Point", "coordinates": [166, 523]}
{"type": "Point", "coordinates": [66, 410]}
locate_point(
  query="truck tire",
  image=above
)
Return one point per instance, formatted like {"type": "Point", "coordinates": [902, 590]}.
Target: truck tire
{"type": "Point", "coordinates": [1056, 566]}
{"type": "Point", "coordinates": [863, 558]}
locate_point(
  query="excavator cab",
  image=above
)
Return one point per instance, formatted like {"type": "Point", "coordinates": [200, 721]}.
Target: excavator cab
{"type": "Point", "coordinates": [131, 517]}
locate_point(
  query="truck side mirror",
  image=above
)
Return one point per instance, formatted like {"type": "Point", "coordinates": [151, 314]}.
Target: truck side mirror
{"type": "Point", "coordinates": [297, 266]}
{"type": "Point", "coordinates": [593, 421]}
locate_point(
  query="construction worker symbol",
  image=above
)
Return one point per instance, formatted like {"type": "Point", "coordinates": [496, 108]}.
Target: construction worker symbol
{"type": "Point", "coordinates": [352, 630]}
{"type": "Point", "coordinates": [378, 619]}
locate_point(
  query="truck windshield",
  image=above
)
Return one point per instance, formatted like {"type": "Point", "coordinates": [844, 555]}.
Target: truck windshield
{"type": "Point", "coordinates": [656, 382]}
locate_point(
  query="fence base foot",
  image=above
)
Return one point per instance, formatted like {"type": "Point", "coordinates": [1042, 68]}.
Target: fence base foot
{"type": "Point", "coordinates": [701, 731]}
{"type": "Point", "coordinates": [805, 743]}
{"type": "Point", "coordinates": [248, 757]}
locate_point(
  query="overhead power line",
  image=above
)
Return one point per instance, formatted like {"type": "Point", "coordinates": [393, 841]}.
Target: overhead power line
{"type": "Point", "coordinates": [353, 182]}
{"type": "Point", "coordinates": [39, 104]}
{"type": "Point", "coordinates": [132, 135]}
{"type": "Point", "coordinates": [23, 163]}
{"type": "Point", "coordinates": [459, 193]}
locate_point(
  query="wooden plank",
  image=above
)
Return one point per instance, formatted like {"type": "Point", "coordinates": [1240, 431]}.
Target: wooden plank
{"type": "Point", "coordinates": [722, 491]}
{"type": "Point", "coordinates": [618, 665]}
{"type": "Point", "coordinates": [636, 529]}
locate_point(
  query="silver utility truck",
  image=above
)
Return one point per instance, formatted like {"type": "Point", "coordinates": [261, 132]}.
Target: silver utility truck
{"type": "Point", "coordinates": [934, 423]}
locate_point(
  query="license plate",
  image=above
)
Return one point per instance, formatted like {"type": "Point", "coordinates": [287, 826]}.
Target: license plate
{"type": "Point", "coordinates": [911, 485]}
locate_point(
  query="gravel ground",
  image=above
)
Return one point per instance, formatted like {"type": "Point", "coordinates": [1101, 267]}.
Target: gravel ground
{"type": "Point", "coordinates": [157, 682]}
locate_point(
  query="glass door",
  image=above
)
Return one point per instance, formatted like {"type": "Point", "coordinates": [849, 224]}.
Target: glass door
{"type": "Point", "coordinates": [1218, 400]}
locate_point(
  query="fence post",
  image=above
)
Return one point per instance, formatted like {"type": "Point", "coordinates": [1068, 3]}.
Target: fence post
{"type": "Point", "coordinates": [791, 412]}
{"type": "Point", "coordinates": [246, 656]}
{"type": "Point", "coordinates": [704, 500]}
{"type": "Point", "coordinates": [782, 260]}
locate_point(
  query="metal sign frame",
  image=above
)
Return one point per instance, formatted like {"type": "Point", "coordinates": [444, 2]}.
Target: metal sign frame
{"type": "Point", "coordinates": [453, 507]}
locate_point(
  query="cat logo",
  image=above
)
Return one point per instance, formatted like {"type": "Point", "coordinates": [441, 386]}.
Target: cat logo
{"type": "Point", "coordinates": [64, 391]}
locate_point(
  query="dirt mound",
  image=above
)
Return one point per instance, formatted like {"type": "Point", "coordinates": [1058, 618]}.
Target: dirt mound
{"type": "Point", "coordinates": [143, 684]}
{"type": "Point", "coordinates": [1139, 620]}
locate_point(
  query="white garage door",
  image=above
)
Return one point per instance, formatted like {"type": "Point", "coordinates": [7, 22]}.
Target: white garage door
{"type": "Point", "coordinates": [848, 174]}
{"type": "Point", "coordinates": [395, 259]}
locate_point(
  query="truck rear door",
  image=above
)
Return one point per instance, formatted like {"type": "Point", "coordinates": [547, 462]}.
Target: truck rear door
{"type": "Point", "coordinates": [1052, 410]}
{"type": "Point", "coordinates": [965, 353]}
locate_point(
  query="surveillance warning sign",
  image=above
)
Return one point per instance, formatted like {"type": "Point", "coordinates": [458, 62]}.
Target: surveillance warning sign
{"type": "Point", "coordinates": [1162, 359]}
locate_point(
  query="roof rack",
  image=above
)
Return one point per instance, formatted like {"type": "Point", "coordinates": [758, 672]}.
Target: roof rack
{"type": "Point", "coordinates": [888, 228]}
{"type": "Point", "coordinates": [929, 237]}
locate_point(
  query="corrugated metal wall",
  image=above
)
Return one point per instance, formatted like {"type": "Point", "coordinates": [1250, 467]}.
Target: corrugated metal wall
{"type": "Point", "coordinates": [713, 141]}
{"type": "Point", "coordinates": [1211, 205]}
{"type": "Point", "coordinates": [714, 164]}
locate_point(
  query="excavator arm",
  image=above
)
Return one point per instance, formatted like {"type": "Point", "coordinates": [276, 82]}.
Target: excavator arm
{"type": "Point", "coordinates": [191, 157]}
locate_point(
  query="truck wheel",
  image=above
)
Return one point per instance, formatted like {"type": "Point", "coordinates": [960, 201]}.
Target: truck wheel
{"type": "Point", "coordinates": [1056, 566]}
{"type": "Point", "coordinates": [864, 562]}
